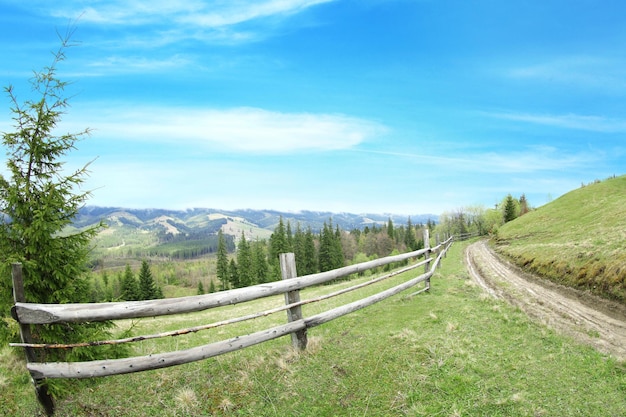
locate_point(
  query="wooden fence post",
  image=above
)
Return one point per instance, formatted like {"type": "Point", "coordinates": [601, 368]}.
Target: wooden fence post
{"type": "Point", "coordinates": [437, 242]}
{"type": "Point", "coordinates": [41, 389]}
{"type": "Point", "coordinates": [427, 255]}
{"type": "Point", "coordinates": [288, 270]}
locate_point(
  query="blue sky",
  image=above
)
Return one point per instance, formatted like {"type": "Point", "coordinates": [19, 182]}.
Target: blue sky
{"type": "Point", "coordinates": [383, 106]}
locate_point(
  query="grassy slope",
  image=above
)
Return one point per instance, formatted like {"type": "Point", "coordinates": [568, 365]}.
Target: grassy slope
{"type": "Point", "coordinates": [577, 240]}
{"type": "Point", "coordinates": [453, 352]}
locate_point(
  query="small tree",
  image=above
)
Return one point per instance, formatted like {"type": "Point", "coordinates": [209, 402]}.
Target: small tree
{"type": "Point", "coordinates": [245, 263]}
{"type": "Point", "coordinates": [222, 261]}
{"type": "Point", "coordinates": [147, 286]}
{"type": "Point", "coordinates": [130, 287]}
{"type": "Point", "coordinates": [39, 199]}
{"type": "Point", "coordinates": [510, 209]}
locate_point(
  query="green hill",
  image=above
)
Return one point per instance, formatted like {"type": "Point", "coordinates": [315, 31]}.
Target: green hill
{"type": "Point", "coordinates": [578, 240]}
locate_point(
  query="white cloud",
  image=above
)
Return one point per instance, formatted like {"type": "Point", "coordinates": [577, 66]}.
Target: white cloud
{"type": "Point", "coordinates": [526, 160]}
{"type": "Point", "coordinates": [582, 71]}
{"type": "Point", "coordinates": [235, 12]}
{"type": "Point", "coordinates": [567, 121]}
{"type": "Point", "coordinates": [239, 129]}
{"type": "Point", "coordinates": [214, 14]}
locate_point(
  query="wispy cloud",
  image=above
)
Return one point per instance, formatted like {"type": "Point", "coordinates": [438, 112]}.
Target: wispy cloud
{"type": "Point", "coordinates": [526, 160]}
{"type": "Point", "coordinates": [596, 72]}
{"type": "Point", "coordinates": [215, 20]}
{"type": "Point", "coordinates": [239, 129]}
{"type": "Point", "coordinates": [566, 121]}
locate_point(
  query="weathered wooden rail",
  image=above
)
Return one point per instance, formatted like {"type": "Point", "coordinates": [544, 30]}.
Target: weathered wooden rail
{"type": "Point", "coordinates": [31, 314]}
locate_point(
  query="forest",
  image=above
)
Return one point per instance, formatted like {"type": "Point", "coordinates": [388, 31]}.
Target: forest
{"type": "Point", "coordinates": [229, 263]}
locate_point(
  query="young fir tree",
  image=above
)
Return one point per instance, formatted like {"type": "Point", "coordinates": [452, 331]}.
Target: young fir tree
{"type": "Point", "coordinates": [233, 274]}
{"type": "Point", "coordinates": [147, 286]}
{"type": "Point", "coordinates": [510, 209]}
{"type": "Point", "coordinates": [244, 262]}
{"type": "Point", "coordinates": [39, 198]}
{"type": "Point", "coordinates": [201, 288]}
{"type": "Point", "coordinates": [222, 261]}
{"type": "Point", "coordinates": [278, 244]}
{"type": "Point", "coordinates": [330, 252]}
{"type": "Point", "coordinates": [310, 255]}
{"type": "Point", "coordinates": [130, 287]}
{"type": "Point", "coordinates": [410, 240]}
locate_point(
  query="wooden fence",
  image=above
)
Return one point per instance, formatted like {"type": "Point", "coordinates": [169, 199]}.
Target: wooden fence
{"type": "Point", "coordinates": [29, 313]}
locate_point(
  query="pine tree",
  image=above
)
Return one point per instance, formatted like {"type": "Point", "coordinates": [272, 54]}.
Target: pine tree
{"type": "Point", "coordinates": [201, 288]}
{"type": "Point", "coordinates": [130, 288]}
{"type": "Point", "coordinates": [233, 274]}
{"type": "Point", "coordinates": [509, 209]}
{"type": "Point", "coordinates": [278, 245]}
{"type": "Point", "coordinates": [326, 248]}
{"type": "Point", "coordinates": [261, 267]}
{"type": "Point", "coordinates": [278, 241]}
{"type": "Point", "coordinates": [222, 261]}
{"type": "Point", "coordinates": [147, 287]}
{"type": "Point", "coordinates": [211, 287]}
{"type": "Point", "coordinates": [310, 256]}
{"type": "Point", "coordinates": [244, 262]}
{"type": "Point", "coordinates": [409, 236]}
{"type": "Point", "coordinates": [39, 198]}
{"type": "Point", "coordinates": [338, 257]}
{"type": "Point", "coordinates": [289, 238]}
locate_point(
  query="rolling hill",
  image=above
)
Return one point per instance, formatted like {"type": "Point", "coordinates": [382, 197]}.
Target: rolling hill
{"type": "Point", "coordinates": [578, 240]}
{"type": "Point", "coordinates": [192, 232]}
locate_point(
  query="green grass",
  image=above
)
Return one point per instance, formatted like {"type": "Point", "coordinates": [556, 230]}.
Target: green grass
{"type": "Point", "coordinates": [577, 240]}
{"type": "Point", "coordinates": [450, 352]}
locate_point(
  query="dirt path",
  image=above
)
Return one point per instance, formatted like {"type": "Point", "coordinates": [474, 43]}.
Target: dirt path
{"type": "Point", "coordinates": [587, 318]}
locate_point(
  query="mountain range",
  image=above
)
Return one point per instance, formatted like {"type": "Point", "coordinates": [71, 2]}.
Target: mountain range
{"type": "Point", "coordinates": [256, 223]}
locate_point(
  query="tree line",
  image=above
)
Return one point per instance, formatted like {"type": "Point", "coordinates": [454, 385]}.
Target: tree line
{"type": "Point", "coordinates": [256, 262]}
{"type": "Point", "coordinates": [481, 221]}
{"type": "Point", "coordinates": [125, 285]}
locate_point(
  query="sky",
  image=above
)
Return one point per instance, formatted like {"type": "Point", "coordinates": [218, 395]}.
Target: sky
{"type": "Point", "coordinates": [361, 106]}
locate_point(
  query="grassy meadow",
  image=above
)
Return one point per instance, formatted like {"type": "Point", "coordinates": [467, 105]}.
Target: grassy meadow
{"type": "Point", "coordinates": [450, 352]}
{"type": "Point", "coordinates": [577, 240]}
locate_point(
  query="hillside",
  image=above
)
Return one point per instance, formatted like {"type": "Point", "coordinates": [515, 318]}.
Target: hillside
{"type": "Point", "coordinates": [578, 240]}
{"type": "Point", "coordinates": [193, 232]}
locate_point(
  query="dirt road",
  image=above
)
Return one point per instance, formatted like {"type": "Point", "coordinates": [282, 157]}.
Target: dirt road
{"type": "Point", "coordinates": [585, 317]}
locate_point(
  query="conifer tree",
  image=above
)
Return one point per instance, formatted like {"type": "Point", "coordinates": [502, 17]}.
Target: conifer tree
{"type": "Point", "coordinates": [278, 241]}
{"type": "Point", "coordinates": [233, 274]}
{"type": "Point", "coordinates": [310, 256]}
{"type": "Point", "coordinates": [147, 286]}
{"type": "Point", "coordinates": [330, 252]}
{"type": "Point", "coordinates": [338, 257]}
{"type": "Point", "coordinates": [222, 261]}
{"type": "Point", "coordinates": [509, 209]}
{"type": "Point", "coordinates": [409, 236]}
{"type": "Point", "coordinates": [261, 267]}
{"type": "Point", "coordinates": [289, 238]}
{"type": "Point", "coordinates": [130, 287]}
{"type": "Point", "coordinates": [278, 245]}
{"type": "Point", "coordinates": [244, 262]}
{"type": "Point", "coordinates": [201, 288]}
{"type": "Point", "coordinates": [39, 198]}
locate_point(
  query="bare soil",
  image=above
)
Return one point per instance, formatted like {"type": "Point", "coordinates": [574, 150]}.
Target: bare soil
{"type": "Point", "coordinates": [581, 315]}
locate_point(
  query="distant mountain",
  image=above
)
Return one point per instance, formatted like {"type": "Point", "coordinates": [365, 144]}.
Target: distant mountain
{"type": "Point", "coordinates": [192, 232]}
{"type": "Point", "coordinates": [179, 221]}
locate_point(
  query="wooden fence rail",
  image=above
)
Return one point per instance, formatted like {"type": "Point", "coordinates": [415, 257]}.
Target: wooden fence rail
{"type": "Point", "coordinates": [31, 313]}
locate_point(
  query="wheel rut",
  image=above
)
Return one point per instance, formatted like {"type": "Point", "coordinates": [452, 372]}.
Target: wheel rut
{"type": "Point", "coordinates": [581, 315]}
